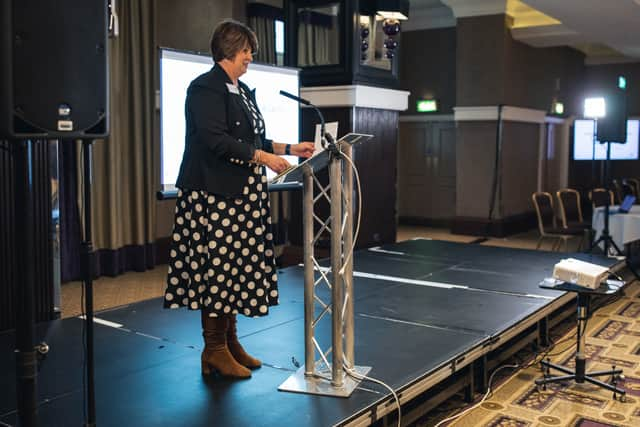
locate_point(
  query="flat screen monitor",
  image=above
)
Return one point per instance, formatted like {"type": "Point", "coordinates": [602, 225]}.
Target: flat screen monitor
{"type": "Point", "coordinates": [583, 142]}
{"type": "Point", "coordinates": [178, 69]}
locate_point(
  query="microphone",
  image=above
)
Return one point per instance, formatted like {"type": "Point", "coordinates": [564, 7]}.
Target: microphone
{"type": "Point", "coordinates": [295, 98]}
{"type": "Point", "coordinates": [324, 137]}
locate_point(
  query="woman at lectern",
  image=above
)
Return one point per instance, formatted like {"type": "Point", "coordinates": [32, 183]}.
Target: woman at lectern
{"type": "Point", "coordinates": [222, 254]}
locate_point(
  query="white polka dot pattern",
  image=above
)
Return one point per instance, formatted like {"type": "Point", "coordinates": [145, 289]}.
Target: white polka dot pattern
{"type": "Point", "coordinates": [216, 253]}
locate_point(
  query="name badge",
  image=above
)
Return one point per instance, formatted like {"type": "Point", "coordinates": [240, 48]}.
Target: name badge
{"type": "Point", "coordinates": [233, 89]}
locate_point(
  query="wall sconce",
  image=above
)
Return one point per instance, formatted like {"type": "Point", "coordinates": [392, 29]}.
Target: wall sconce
{"type": "Point", "coordinates": [557, 108]}
{"type": "Point", "coordinates": [392, 11]}
{"type": "Point", "coordinates": [427, 106]}
{"type": "Point", "coordinates": [364, 38]}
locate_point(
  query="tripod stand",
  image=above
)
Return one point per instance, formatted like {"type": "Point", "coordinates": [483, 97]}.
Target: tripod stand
{"type": "Point", "coordinates": [605, 236]}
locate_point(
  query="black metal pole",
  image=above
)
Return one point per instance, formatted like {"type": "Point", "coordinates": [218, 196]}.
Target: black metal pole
{"type": "Point", "coordinates": [581, 358]}
{"type": "Point", "coordinates": [87, 263]}
{"type": "Point", "coordinates": [605, 230]}
{"type": "Point", "coordinates": [594, 182]}
{"type": "Point", "coordinates": [26, 360]}
{"type": "Point", "coordinates": [497, 174]}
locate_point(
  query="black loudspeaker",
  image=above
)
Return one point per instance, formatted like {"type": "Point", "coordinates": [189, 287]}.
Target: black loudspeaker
{"type": "Point", "coordinates": [613, 126]}
{"type": "Point", "coordinates": [54, 77]}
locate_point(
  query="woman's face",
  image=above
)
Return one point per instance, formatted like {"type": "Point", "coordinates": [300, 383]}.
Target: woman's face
{"type": "Point", "coordinates": [240, 62]}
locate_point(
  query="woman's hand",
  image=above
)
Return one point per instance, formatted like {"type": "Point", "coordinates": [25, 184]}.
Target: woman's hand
{"type": "Point", "coordinates": [304, 149]}
{"type": "Point", "coordinates": [274, 162]}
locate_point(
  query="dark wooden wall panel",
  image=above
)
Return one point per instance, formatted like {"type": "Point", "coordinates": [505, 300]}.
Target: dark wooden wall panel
{"type": "Point", "coordinates": [432, 73]}
{"type": "Point", "coordinates": [480, 56]}
{"type": "Point", "coordinates": [536, 75]}
{"type": "Point", "coordinates": [41, 261]}
{"type": "Point", "coordinates": [519, 165]}
{"type": "Point", "coordinates": [376, 161]}
{"type": "Point", "coordinates": [202, 16]}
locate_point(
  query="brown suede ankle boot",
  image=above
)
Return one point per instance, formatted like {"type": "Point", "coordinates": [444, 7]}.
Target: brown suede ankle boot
{"type": "Point", "coordinates": [216, 355]}
{"type": "Point", "coordinates": [236, 348]}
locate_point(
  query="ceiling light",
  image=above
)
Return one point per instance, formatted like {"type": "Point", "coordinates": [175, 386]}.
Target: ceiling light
{"type": "Point", "coordinates": [393, 9]}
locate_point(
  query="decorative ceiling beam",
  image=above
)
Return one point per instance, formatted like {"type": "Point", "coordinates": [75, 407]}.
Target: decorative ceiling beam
{"type": "Point", "coordinates": [468, 8]}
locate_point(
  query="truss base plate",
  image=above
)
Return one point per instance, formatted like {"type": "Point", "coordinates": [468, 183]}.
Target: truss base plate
{"type": "Point", "coordinates": [321, 382]}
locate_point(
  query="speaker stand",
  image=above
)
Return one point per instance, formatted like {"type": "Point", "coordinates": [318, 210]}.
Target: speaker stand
{"type": "Point", "coordinates": [87, 276]}
{"type": "Point", "coordinates": [26, 356]}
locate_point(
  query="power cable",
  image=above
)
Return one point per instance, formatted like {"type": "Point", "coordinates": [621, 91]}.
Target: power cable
{"type": "Point", "coordinates": [350, 371]}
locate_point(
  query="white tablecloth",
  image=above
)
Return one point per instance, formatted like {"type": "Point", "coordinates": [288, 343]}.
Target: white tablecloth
{"type": "Point", "coordinates": [623, 228]}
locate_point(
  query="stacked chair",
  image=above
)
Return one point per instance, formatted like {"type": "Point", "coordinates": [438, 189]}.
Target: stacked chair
{"type": "Point", "coordinates": [627, 189]}
{"type": "Point", "coordinates": [617, 190]}
{"type": "Point", "coordinates": [547, 222]}
{"type": "Point", "coordinates": [624, 188]}
{"type": "Point", "coordinates": [598, 197]}
{"type": "Point", "coordinates": [571, 213]}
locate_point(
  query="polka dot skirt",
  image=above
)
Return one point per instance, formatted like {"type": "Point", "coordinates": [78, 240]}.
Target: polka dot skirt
{"type": "Point", "coordinates": [222, 257]}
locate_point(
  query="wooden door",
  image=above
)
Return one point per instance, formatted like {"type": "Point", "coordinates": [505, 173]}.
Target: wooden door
{"type": "Point", "coordinates": [427, 171]}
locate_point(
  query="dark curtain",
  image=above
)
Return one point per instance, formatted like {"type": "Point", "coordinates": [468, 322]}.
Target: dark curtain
{"type": "Point", "coordinates": [317, 39]}
{"type": "Point", "coordinates": [262, 19]}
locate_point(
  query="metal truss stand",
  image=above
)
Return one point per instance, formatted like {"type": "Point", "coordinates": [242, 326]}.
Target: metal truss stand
{"type": "Point", "coordinates": [322, 376]}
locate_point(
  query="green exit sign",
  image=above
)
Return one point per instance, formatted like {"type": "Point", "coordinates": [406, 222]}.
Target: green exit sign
{"type": "Point", "coordinates": [427, 106]}
{"type": "Point", "coordinates": [622, 82]}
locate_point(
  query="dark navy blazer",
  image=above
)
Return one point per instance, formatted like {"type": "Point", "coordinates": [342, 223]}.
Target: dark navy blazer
{"type": "Point", "coordinates": [219, 134]}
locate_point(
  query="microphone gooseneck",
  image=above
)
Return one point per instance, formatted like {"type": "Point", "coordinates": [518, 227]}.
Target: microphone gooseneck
{"type": "Point", "coordinates": [324, 136]}
{"type": "Point", "coordinates": [295, 98]}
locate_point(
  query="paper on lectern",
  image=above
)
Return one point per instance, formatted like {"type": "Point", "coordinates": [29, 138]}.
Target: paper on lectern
{"type": "Point", "coordinates": [332, 128]}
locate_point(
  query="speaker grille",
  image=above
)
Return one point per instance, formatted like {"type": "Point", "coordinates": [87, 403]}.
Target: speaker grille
{"type": "Point", "coordinates": [59, 64]}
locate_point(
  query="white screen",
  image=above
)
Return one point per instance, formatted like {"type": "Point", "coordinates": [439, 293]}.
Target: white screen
{"type": "Point", "coordinates": [583, 142]}
{"type": "Point", "coordinates": [178, 69]}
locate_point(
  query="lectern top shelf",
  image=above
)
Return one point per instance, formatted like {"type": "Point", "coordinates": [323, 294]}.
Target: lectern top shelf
{"type": "Point", "coordinates": [319, 161]}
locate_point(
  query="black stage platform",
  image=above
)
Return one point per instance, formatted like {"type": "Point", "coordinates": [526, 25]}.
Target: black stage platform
{"type": "Point", "coordinates": [424, 311]}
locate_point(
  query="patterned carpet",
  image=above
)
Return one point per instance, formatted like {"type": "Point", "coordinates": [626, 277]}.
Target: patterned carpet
{"type": "Point", "coordinates": [613, 338]}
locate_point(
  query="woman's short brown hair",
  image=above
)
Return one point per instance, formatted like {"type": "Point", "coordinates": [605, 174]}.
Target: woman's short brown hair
{"type": "Point", "coordinates": [229, 38]}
